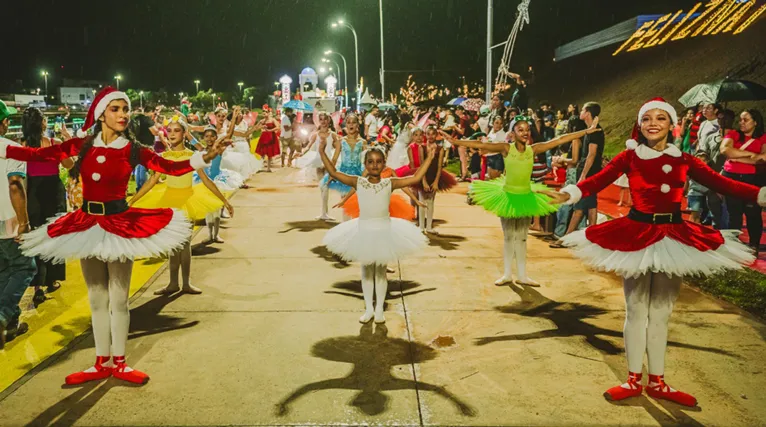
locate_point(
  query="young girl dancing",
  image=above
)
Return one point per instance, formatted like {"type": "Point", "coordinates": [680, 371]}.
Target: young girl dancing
{"type": "Point", "coordinates": [351, 149]}
{"type": "Point", "coordinates": [513, 198]}
{"type": "Point", "coordinates": [312, 163]}
{"type": "Point", "coordinates": [653, 247]}
{"type": "Point", "coordinates": [435, 179]}
{"type": "Point", "coordinates": [399, 208]}
{"type": "Point", "coordinates": [196, 201]}
{"type": "Point", "coordinates": [374, 239]}
{"type": "Point", "coordinates": [106, 234]}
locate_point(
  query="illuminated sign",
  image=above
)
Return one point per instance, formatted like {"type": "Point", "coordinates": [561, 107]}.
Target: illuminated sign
{"type": "Point", "coordinates": [718, 16]}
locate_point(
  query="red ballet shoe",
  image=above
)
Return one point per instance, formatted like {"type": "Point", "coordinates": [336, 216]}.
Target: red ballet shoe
{"type": "Point", "coordinates": [659, 390]}
{"type": "Point", "coordinates": [123, 372]}
{"type": "Point", "coordinates": [631, 388]}
{"type": "Point", "coordinates": [101, 372]}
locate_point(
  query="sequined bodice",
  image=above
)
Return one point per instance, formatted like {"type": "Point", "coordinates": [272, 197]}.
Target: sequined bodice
{"type": "Point", "coordinates": [351, 158]}
{"type": "Point", "coordinates": [183, 181]}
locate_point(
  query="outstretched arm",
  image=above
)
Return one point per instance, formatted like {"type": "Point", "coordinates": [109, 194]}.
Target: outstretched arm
{"type": "Point", "coordinates": [501, 147]}
{"type": "Point", "coordinates": [337, 148]}
{"type": "Point", "coordinates": [58, 152]}
{"type": "Point", "coordinates": [345, 198]}
{"type": "Point", "coordinates": [571, 194]}
{"type": "Point", "coordinates": [542, 147]}
{"type": "Point", "coordinates": [148, 185]}
{"type": "Point", "coordinates": [330, 167]}
{"type": "Point", "coordinates": [700, 172]}
{"type": "Point", "coordinates": [419, 175]}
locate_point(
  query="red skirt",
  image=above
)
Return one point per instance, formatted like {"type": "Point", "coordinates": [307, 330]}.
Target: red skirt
{"type": "Point", "coordinates": [446, 181]}
{"type": "Point", "coordinates": [268, 145]}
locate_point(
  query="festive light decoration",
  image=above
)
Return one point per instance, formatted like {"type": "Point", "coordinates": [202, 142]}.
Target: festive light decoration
{"type": "Point", "coordinates": [719, 16]}
{"type": "Point", "coordinates": [331, 81]}
{"type": "Point", "coordinates": [285, 80]}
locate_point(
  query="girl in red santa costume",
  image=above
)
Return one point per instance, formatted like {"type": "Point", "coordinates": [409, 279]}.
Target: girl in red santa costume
{"type": "Point", "coordinates": [106, 234]}
{"type": "Point", "coordinates": [653, 247]}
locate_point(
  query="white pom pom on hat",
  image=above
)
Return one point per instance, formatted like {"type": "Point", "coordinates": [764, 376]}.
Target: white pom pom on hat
{"type": "Point", "coordinates": [631, 144]}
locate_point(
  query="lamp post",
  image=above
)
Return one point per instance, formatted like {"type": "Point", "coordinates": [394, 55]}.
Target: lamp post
{"type": "Point", "coordinates": [141, 99]}
{"type": "Point", "coordinates": [337, 66]}
{"type": "Point", "coordinates": [240, 84]}
{"type": "Point", "coordinates": [345, 72]}
{"type": "Point", "coordinates": [251, 102]}
{"type": "Point", "coordinates": [337, 24]}
{"type": "Point", "coordinates": [117, 78]}
{"type": "Point", "coordinates": [196, 84]}
{"type": "Point", "coordinates": [382, 67]}
{"type": "Point", "coordinates": [45, 76]}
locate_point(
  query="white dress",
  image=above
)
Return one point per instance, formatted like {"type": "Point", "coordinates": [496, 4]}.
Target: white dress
{"type": "Point", "coordinates": [312, 160]}
{"type": "Point", "coordinates": [238, 157]}
{"type": "Point", "coordinates": [398, 157]}
{"type": "Point", "coordinates": [374, 237]}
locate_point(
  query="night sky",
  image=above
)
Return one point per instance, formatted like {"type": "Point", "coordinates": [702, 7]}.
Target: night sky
{"type": "Point", "coordinates": [167, 44]}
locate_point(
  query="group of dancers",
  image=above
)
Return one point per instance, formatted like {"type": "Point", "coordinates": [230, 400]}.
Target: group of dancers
{"type": "Point", "coordinates": [651, 248]}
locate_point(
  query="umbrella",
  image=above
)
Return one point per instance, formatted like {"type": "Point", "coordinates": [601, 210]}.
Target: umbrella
{"type": "Point", "coordinates": [725, 90]}
{"type": "Point", "coordinates": [473, 104]}
{"type": "Point", "coordinates": [386, 106]}
{"type": "Point", "coordinates": [298, 105]}
{"type": "Point", "coordinates": [456, 101]}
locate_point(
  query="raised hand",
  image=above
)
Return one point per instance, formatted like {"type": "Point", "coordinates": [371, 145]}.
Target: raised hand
{"type": "Point", "coordinates": [557, 198]}
{"type": "Point", "coordinates": [229, 208]}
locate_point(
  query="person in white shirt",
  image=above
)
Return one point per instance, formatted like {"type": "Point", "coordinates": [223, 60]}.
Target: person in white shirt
{"type": "Point", "coordinates": [372, 124]}
{"type": "Point", "coordinates": [287, 137]}
{"type": "Point", "coordinates": [708, 131]}
{"type": "Point", "coordinates": [495, 161]}
{"type": "Point", "coordinates": [16, 270]}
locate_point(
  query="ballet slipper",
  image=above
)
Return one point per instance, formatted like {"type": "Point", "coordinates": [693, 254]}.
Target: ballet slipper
{"type": "Point", "coordinates": [658, 389]}
{"type": "Point", "coordinates": [124, 372]}
{"type": "Point", "coordinates": [504, 281]}
{"type": "Point", "coordinates": [366, 317]}
{"type": "Point", "coordinates": [193, 290]}
{"type": "Point", "coordinates": [167, 290]}
{"type": "Point", "coordinates": [630, 388]}
{"type": "Point", "coordinates": [526, 281]}
{"type": "Point", "coordinates": [97, 372]}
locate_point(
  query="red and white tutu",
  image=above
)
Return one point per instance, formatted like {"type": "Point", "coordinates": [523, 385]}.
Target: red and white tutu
{"type": "Point", "coordinates": [135, 233]}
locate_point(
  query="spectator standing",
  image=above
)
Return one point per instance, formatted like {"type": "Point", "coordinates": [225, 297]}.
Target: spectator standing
{"type": "Point", "coordinates": [372, 124]}
{"type": "Point", "coordinates": [743, 149]}
{"type": "Point", "coordinates": [495, 161]}
{"type": "Point", "coordinates": [589, 164]}
{"type": "Point", "coordinates": [708, 129]}
{"type": "Point", "coordinates": [496, 108]}
{"type": "Point", "coordinates": [16, 270]}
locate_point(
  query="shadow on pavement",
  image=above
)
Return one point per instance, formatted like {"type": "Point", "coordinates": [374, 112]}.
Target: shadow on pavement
{"type": "Point", "coordinates": [307, 226]}
{"type": "Point", "coordinates": [373, 355]}
{"type": "Point", "coordinates": [445, 241]}
{"type": "Point", "coordinates": [325, 254]}
{"type": "Point", "coordinates": [396, 289]}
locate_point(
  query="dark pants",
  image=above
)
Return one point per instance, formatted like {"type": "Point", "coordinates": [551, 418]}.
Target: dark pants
{"type": "Point", "coordinates": [16, 272]}
{"type": "Point", "coordinates": [738, 207]}
{"type": "Point", "coordinates": [715, 205]}
{"type": "Point", "coordinates": [46, 199]}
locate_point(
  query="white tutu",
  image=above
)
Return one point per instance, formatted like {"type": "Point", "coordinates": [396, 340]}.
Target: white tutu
{"type": "Point", "coordinates": [244, 164]}
{"type": "Point", "coordinates": [375, 240]}
{"type": "Point", "coordinates": [666, 256]}
{"type": "Point", "coordinates": [309, 160]}
{"type": "Point", "coordinates": [95, 242]}
{"type": "Point", "coordinates": [227, 180]}
{"type": "Point", "coordinates": [622, 181]}
{"type": "Point", "coordinates": [398, 156]}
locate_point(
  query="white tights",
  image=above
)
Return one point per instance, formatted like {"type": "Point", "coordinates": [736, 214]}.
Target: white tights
{"type": "Point", "coordinates": [374, 281]}
{"type": "Point", "coordinates": [515, 246]}
{"type": "Point", "coordinates": [649, 301]}
{"type": "Point", "coordinates": [213, 221]}
{"type": "Point", "coordinates": [108, 286]}
{"type": "Point", "coordinates": [426, 214]}
{"type": "Point", "coordinates": [180, 259]}
{"type": "Point", "coordinates": [324, 193]}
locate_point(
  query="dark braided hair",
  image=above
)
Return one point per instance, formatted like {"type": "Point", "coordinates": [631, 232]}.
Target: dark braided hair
{"type": "Point", "coordinates": [135, 150]}
{"type": "Point", "coordinates": [32, 127]}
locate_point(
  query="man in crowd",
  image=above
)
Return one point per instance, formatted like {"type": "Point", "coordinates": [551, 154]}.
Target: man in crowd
{"type": "Point", "coordinates": [496, 109]}
{"type": "Point", "coordinates": [16, 270]}
{"type": "Point", "coordinates": [591, 159]}
{"type": "Point", "coordinates": [708, 130]}
{"type": "Point", "coordinates": [372, 124]}
{"type": "Point", "coordinates": [287, 136]}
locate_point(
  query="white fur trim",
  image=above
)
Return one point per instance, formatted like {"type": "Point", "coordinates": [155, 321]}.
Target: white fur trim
{"type": "Point", "coordinates": [631, 144]}
{"type": "Point", "coordinates": [119, 143]}
{"type": "Point", "coordinates": [104, 102]}
{"type": "Point", "coordinates": [651, 105]}
{"type": "Point", "coordinates": [101, 159]}
{"type": "Point", "coordinates": [645, 153]}
{"type": "Point", "coordinates": [667, 256]}
{"type": "Point", "coordinates": [667, 168]}
{"type": "Point", "coordinates": [665, 188]}
{"type": "Point", "coordinates": [197, 162]}
{"type": "Point", "coordinates": [81, 133]}
{"type": "Point", "coordinates": [575, 194]}
{"type": "Point", "coordinates": [3, 149]}
{"type": "Point", "coordinates": [95, 242]}
{"type": "Point", "coordinates": [762, 196]}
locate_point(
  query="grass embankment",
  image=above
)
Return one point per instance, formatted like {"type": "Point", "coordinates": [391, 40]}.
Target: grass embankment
{"type": "Point", "coordinates": [744, 288]}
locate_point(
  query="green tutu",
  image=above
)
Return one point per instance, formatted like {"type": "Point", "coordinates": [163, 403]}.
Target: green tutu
{"type": "Point", "coordinates": [492, 196]}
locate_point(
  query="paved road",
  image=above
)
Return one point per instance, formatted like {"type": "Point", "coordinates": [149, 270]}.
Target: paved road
{"type": "Point", "coordinates": [274, 339]}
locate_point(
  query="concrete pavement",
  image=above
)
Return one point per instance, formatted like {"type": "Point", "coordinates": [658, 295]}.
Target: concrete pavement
{"type": "Point", "coordinates": [274, 338]}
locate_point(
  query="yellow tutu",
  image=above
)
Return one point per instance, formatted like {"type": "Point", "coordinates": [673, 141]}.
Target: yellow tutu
{"type": "Point", "coordinates": [196, 201]}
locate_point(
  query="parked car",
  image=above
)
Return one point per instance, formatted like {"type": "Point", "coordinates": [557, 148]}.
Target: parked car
{"type": "Point", "coordinates": [38, 104]}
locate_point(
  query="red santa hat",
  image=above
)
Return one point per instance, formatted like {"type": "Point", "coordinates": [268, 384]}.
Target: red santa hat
{"type": "Point", "coordinates": [652, 104]}
{"type": "Point", "coordinates": [97, 108]}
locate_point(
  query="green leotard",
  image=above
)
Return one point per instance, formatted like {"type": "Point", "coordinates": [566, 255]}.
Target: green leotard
{"type": "Point", "coordinates": [514, 195]}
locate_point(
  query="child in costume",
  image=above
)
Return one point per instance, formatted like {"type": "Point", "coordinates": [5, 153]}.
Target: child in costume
{"type": "Point", "coordinates": [311, 163]}
{"type": "Point", "coordinates": [268, 144]}
{"type": "Point", "coordinates": [238, 157]}
{"type": "Point", "coordinates": [653, 247]}
{"type": "Point", "coordinates": [196, 201]}
{"type": "Point", "coordinates": [351, 149]}
{"type": "Point", "coordinates": [106, 234]}
{"type": "Point", "coordinates": [374, 239]}
{"type": "Point", "coordinates": [399, 208]}
{"type": "Point", "coordinates": [513, 198]}
{"type": "Point", "coordinates": [435, 179]}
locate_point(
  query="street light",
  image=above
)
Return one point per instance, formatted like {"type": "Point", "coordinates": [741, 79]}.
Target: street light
{"type": "Point", "coordinates": [251, 102]}
{"type": "Point", "coordinates": [118, 78]}
{"type": "Point", "coordinates": [196, 83]}
{"type": "Point", "coordinates": [240, 84]}
{"type": "Point", "coordinates": [141, 99]}
{"type": "Point", "coordinates": [322, 69]}
{"type": "Point", "coordinates": [337, 24]}
{"type": "Point", "coordinates": [345, 71]}
{"type": "Point", "coordinates": [45, 76]}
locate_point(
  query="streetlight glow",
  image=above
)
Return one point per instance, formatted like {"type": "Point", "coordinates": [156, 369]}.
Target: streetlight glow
{"type": "Point", "coordinates": [334, 24]}
{"type": "Point", "coordinates": [196, 83]}
{"type": "Point", "coordinates": [340, 22]}
{"type": "Point", "coordinates": [45, 76]}
{"type": "Point", "coordinates": [327, 52]}
{"type": "Point", "coordinates": [118, 77]}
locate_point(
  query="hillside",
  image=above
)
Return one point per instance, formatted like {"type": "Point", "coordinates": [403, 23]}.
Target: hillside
{"type": "Point", "coordinates": [622, 83]}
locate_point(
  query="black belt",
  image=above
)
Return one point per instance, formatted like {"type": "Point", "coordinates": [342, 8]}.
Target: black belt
{"type": "Point", "coordinates": [104, 208]}
{"type": "Point", "coordinates": [656, 218]}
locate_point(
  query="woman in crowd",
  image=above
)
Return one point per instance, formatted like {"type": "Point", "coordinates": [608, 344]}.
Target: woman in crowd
{"type": "Point", "coordinates": [268, 144]}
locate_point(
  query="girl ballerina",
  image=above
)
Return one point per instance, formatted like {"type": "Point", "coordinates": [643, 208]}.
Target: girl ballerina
{"type": "Point", "coordinates": [653, 247]}
{"type": "Point", "coordinates": [351, 147]}
{"type": "Point", "coordinates": [397, 157]}
{"type": "Point", "coordinates": [374, 239]}
{"type": "Point", "coordinates": [398, 208]}
{"type": "Point", "coordinates": [311, 162]}
{"type": "Point", "coordinates": [249, 165]}
{"type": "Point", "coordinates": [268, 144]}
{"type": "Point", "coordinates": [106, 234]}
{"type": "Point", "coordinates": [435, 179]}
{"type": "Point", "coordinates": [513, 198]}
{"type": "Point", "coordinates": [196, 201]}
